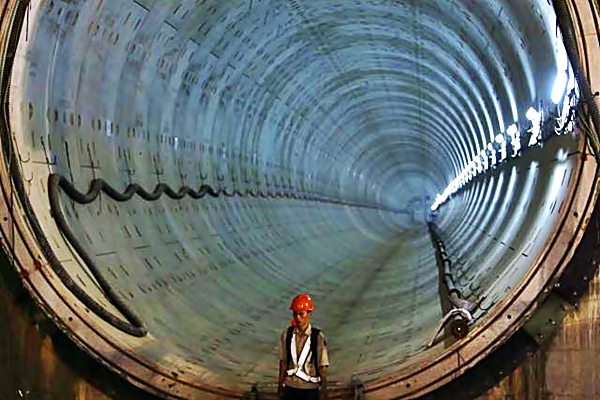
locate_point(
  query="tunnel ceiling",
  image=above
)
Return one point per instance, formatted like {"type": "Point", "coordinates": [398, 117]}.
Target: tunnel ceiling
{"type": "Point", "coordinates": [322, 131]}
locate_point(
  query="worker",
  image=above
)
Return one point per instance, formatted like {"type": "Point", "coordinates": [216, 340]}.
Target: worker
{"type": "Point", "coordinates": [303, 358]}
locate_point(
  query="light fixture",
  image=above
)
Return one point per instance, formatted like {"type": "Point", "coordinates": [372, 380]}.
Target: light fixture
{"type": "Point", "coordinates": [532, 114]}
{"type": "Point", "coordinates": [512, 130]}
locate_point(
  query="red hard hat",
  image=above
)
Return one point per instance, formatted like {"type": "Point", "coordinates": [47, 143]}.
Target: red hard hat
{"type": "Point", "coordinates": [302, 302]}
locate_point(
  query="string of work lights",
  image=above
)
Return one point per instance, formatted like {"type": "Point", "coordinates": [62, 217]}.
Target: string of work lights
{"type": "Point", "coordinates": [540, 123]}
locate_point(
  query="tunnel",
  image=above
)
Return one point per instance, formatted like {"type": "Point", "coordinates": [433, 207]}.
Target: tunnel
{"type": "Point", "coordinates": [173, 173]}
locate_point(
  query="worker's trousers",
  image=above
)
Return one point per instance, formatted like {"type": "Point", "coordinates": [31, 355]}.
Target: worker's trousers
{"type": "Point", "coordinates": [290, 393]}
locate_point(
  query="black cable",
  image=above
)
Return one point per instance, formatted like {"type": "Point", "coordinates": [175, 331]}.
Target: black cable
{"type": "Point", "coordinates": [565, 22]}
{"type": "Point", "coordinates": [134, 326]}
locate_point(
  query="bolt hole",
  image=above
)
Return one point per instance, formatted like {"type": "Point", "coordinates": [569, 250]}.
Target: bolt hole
{"type": "Point", "coordinates": [70, 319]}
{"type": "Point", "coordinates": [576, 214]}
{"type": "Point", "coordinates": [5, 219]}
{"type": "Point", "coordinates": [508, 316]}
{"type": "Point", "coordinates": [407, 385]}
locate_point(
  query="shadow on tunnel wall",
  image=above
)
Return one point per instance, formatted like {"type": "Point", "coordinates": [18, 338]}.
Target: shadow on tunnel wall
{"type": "Point", "coordinates": [38, 361]}
{"type": "Point", "coordinates": [520, 349]}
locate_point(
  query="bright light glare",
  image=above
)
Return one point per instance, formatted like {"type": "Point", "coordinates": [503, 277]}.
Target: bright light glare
{"type": "Point", "coordinates": [559, 87]}
{"type": "Point", "coordinates": [562, 65]}
{"type": "Point", "coordinates": [512, 130]}
{"type": "Point", "coordinates": [535, 117]}
{"type": "Point", "coordinates": [564, 83]}
{"type": "Point", "coordinates": [532, 114]}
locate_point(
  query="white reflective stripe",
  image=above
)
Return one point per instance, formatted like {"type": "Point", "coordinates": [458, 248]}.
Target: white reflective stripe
{"type": "Point", "coordinates": [304, 376]}
{"type": "Point", "coordinates": [298, 364]}
{"type": "Point", "coordinates": [293, 349]}
{"type": "Point", "coordinates": [304, 354]}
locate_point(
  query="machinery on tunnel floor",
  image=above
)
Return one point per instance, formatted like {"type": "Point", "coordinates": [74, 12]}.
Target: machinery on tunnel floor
{"type": "Point", "coordinates": [122, 97]}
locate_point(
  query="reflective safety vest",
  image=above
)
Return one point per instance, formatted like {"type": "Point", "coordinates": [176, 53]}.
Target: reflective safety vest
{"type": "Point", "coordinates": [295, 364]}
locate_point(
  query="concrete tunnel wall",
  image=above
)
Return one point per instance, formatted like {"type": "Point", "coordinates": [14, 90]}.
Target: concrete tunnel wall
{"type": "Point", "coordinates": [363, 111]}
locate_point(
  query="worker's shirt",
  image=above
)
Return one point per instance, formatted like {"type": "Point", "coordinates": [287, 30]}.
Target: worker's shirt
{"type": "Point", "coordinates": [309, 367]}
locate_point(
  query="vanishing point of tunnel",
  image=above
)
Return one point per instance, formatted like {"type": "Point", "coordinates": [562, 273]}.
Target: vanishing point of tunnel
{"type": "Point", "coordinates": [174, 172]}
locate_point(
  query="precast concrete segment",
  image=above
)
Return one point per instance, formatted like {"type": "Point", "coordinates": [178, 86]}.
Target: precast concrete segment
{"type": "Point", "coordinates": [364, 103]}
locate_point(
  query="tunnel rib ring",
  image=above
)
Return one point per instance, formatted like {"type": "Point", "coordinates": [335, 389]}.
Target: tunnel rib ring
{"type": "Point", "coordinates": [133, 325]}
{"type": "Point", "coordinates": [291, 120]}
